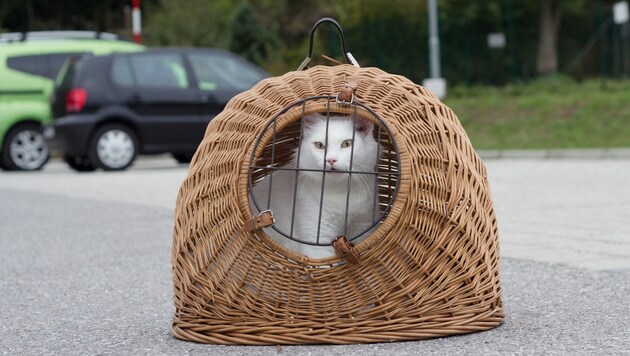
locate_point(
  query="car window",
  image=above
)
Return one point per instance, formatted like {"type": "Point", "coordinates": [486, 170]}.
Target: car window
{"type": "Point", "coordinates": [55, 62]}
{"type": "Point", "coordinates": [36, 65]}
{"type": "Point", "coordinates": [159, 71]}
{"type": "Point", "coordinates": [67, 72]}
{"type": "Point", "coordinates": [220, 71]}
{"type": "Point", "coordinates": [121, 72]}
{"type": "Point", "coordinates": [43, 65]}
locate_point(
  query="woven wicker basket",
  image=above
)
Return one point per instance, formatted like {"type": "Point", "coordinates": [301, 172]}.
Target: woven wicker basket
{"type": "Point", "coordinates": [430, 268]}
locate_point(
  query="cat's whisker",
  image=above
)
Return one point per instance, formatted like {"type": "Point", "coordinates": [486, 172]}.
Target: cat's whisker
{"type": "Point", "coordinates": [362, 167]}
{"type": "Point", "coordinates": [363, 185]}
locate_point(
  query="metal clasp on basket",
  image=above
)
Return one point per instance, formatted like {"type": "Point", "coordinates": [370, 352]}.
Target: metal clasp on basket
{"type": "Point", "coordinates": [346, 94]}
{"type": "Point", "coordinates": [264, 219]}
{"type": "Point", "coordinates": [342, 100]}
{"type": "Point", "coordinates": [345, 249]}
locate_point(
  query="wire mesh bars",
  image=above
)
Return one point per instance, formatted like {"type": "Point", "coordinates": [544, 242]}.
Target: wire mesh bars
{"type": "Point", "coordinates": [429, 268]}
{"type": "Point", "coordinates": [338, 181]}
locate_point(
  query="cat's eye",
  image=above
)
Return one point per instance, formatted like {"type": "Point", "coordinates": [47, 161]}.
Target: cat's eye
{"type": "Point", "coordinates": [319, 145]}
{"type": "Point", "coordinates": [346, 144]}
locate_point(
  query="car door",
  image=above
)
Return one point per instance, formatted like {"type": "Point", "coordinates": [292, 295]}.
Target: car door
{"type": "Point", "coordinates": [219, 76]}
{"type": "Point", "coordinates": [159, 90]}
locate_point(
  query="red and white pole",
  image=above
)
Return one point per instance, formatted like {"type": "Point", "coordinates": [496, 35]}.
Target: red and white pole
{"type": "Point", "coordinates": [136, 24]}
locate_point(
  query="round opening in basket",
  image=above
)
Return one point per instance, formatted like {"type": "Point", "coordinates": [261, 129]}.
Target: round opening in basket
{"type": "Point", "coordinates": [326, 170]}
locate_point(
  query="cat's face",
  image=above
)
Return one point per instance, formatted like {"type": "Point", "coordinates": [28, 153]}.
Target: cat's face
{"type": "Point", "coordinates": [333, 150]}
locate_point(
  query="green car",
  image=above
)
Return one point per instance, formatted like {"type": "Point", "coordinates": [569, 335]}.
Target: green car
{"type": "Point", "coordinates": [29, 63]}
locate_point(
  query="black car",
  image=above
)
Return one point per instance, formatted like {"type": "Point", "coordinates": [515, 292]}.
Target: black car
{"type": "Point", "coordinates": [108, 109]}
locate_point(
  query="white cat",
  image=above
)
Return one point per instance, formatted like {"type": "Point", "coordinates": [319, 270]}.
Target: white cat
{"type": "Point", "coordinates": [346, 140]}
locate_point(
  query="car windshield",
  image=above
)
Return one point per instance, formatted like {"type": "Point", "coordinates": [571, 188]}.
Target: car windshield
{"type": "Point", "coordinates": [219, 71]}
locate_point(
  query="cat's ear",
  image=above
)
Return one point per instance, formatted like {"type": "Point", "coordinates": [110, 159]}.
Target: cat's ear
{"type": "Point", "coordinates": [363, 125]}
{"type": "Point", "coordinates": [312, 119]}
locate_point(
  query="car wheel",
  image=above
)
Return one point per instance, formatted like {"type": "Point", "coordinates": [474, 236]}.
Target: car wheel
{"type": "Point", "coordinates": [24, 148]}
{"type": "Point", "coordinates": [79, 163]}
{"type": "Point", "coordinates": [183, 157]}
{"type": "Point", "coordinates": [114, 147]}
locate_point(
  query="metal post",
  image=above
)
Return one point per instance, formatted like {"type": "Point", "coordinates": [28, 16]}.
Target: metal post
{"type": "Point", "coordinates": [136, 23]}
{"type": "Point", "coordinates": [435, 83]}
{"type": "Point", "coordinates": [620, 17]}
{"type": "Point", "coordinates": [434, 41]}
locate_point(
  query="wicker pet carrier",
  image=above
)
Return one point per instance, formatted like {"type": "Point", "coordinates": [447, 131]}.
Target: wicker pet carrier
{"type": "Point", "coordinates": [423, 264]}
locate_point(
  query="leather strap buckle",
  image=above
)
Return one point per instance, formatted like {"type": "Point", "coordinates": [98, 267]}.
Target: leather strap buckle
{"type": "Point", "coordinates": [346, 94]}
{"type": "Point", "coordinates": [345, 249]}
{"type": "Point", "coordinates": [264, 219]}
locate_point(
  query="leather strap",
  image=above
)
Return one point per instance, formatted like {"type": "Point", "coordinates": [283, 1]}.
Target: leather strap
{"type": "Point", "coordinates": [346, 94]}
{"type": "Point", "coordinates": [345, 249]}
{"type": "Point", "coordinates": [264, 219]}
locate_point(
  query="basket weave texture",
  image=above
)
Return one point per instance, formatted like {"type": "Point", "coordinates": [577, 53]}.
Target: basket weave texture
{"type": "Point", "coordinates": [430, 269]}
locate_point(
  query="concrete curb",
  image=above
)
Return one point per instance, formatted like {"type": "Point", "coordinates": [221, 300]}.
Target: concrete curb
{"type": "Point", "coordinates": [587, 153]}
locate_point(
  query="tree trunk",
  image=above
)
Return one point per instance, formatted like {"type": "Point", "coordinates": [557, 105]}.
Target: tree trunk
{"type": "Point", "coordinates": [550, 18]}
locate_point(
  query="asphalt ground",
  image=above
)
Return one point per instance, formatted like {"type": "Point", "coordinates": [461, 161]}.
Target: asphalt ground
{"type": "Point", "coordinates": [85, 264]}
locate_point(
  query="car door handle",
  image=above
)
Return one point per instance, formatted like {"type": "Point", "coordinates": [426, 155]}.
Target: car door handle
{"type": "Point", "coordinates": [205, 99]}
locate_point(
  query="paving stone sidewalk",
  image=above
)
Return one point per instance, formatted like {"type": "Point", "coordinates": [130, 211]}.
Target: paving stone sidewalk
{"type": "Point", "coordinates": [85, 264]}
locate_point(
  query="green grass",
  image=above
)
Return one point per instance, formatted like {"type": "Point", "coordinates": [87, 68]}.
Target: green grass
{"type": "Point", "coordinates": [553, 112]}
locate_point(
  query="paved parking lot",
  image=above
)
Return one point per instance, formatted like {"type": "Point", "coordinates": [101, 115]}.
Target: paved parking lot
{"type": "Point", "coordinates": [85, 263]}
{"type": "Point", "coordinates": [569, 212]}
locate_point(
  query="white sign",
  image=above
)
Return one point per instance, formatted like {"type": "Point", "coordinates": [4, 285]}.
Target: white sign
{"type": "Point", "coordinates": [620, 12]}
{"type": "Point", "coordinates": [496, 40]}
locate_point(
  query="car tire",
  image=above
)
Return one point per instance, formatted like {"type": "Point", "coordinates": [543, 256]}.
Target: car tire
{"type": "Point", "coordinates": [24, 148]}
{"type": "Point", "coordinates": [183, 157]}
{"type": "Point", "coordinates": [114, 147]}
{"type": "Point", "coordinates": [79, 163]}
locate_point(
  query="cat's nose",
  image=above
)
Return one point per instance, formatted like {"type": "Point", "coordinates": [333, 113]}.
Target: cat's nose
{"type": "Point", "coordinates": [331, 162]}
